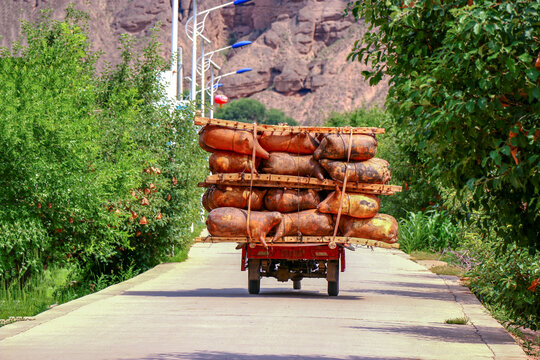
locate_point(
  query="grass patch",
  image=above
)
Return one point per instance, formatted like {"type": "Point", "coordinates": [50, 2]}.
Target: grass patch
{"type": "Point", "coordinates": [34, 296]}
{"type": "Point", "coordinates": [179, 255]}
{"type": "Point", "coordinates": [448, 270]}
{"type": "Point", "coordinates": [424, 255]}
{"type": "Point", "coordinates": [458, 321]}
{"type": "Point", "coordinates": [447, 256]}
{"type": "Point", "coordinates": [56, 286]}
{"type": "Point", "coordinates": [20, 302]}
{"type": "Point", "coordinates": [52, 287]}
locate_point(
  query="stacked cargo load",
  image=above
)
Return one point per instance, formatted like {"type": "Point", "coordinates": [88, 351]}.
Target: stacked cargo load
{"type": "Point", "coordinates": [273, 184]}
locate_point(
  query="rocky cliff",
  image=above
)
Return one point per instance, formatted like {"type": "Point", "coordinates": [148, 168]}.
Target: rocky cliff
{"type": "Point", "coordinates": [298, 53]}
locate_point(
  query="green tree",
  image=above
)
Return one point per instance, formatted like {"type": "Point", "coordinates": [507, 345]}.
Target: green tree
{"type": "Point", "coordinates": [275, 117]}
{"type": "Point", "coordinates": [464, 93]}
{"type": "Point", "coordinates": [85, 156]}
{"type": "Point", "coordinates": [373, 117]}
{"type": "Point", "coordinates": [251, 110]}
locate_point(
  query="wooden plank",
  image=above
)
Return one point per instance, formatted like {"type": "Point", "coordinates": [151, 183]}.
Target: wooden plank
{"type": "Point", "coordinates": [300, 240]}
{"type": "Point", "coordinates": [288, 181]}
{"type": "Point", "coordinates": [294, 129]}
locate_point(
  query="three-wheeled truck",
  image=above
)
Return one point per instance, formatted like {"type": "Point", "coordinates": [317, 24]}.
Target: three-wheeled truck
{"type": "Point", "coordinates": [294, 257]}
{"type": "Point", "coordinates": [293, 262]}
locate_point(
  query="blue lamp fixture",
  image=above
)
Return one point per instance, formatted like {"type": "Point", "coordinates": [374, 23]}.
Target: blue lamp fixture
{"type": "Point", "coordinates": [240, 44]}
{"type": "Point", "coordinates": [240, 71]}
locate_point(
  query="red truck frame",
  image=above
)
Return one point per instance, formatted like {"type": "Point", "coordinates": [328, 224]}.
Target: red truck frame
{"type": "Point", "coordinates": [293, 262]}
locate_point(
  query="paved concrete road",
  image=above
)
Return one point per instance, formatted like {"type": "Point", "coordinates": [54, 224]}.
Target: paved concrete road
{"type": "Point", "coordinates": [389, 308]}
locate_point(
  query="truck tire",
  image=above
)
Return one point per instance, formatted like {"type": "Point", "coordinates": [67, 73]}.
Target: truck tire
{"type": "Point", "coordinates": [332, 275]}
{"type": "Point", "coordinates": [297, 284]}
{"type": "Point", "coordinates": [254, 287]}
{"type": "Point", "coordinates": [254, 276]}
{"type": "Point", "coordinates": [333, 288]}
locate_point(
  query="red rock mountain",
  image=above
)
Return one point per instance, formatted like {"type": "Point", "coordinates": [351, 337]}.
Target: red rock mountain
{"type": "Point", "coordinates": [298, 55]}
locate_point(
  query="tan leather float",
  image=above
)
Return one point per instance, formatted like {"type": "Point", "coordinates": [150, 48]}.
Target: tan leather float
{"type": "Point", "coordinates": [221, 162]}
{"type": "Point", "coordinates": [239, 141]}
{"type": "Point", "coordinates": [230, 221]}
{"type": "Point", "coordinates": [372, 171]}
{"type": "Point", "coordinates": [307, 223]}
{"type": "Point", "coordinates": [336, 146]}
{"type": "Point", "coordinates": [356, 205]}
{"type": "Point", "coordinates": [291, 200]}
{"type": "Point", "coordinates": [381, 227]}
{"type": "Point", "coordinates": [295, 143]}
{"type": "Point", "coordinates": [232, 196]}
{"type": "Point", "coordinates": [282, 163]}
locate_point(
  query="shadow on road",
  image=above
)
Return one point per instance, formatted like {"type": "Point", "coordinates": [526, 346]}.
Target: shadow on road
{"type": "Point", "coordinates": [446, 333]}
{"type": "Point", "coordinates": [428, 295]}
{"type": "Point", "coordinates": [408, 284]}
{"type": "Point", "coordinates": [239, 293]}
{"type": "Point", "coordinates": [213, 355]}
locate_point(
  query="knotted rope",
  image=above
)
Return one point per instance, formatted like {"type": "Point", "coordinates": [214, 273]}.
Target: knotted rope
{"type": "Point", "coordinates": [332, 244]}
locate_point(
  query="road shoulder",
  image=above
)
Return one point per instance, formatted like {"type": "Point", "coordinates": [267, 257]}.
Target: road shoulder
{"type": "Point", "coordinates": [30, 322]}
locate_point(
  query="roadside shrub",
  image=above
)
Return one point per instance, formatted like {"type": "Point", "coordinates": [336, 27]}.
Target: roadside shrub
{"type": "Point", "coordinates": [162, 206]}
{"type": "Point", "coordinates": [507, 280]}
{"type": "Point", "coordinates": [464, 91]}
{"type": "Point", "coordinates": [35, 295]}
{"type": "Point", "coordinates": [24, 242]}
{"type": "Point", "coordinates": [86, 157]}
{"type": "Point", "coordinates": [50, 170]}
{"type": "Point", "coordinates": [275, 117]}
{"type": "Point", "coordinates": [373, 117]}
{"type": "Point", "coordinates": [430, 230]}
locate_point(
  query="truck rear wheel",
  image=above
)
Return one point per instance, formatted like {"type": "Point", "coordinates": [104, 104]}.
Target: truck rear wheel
{"type": "Point", "coordinates": [332, 275]}
{"type": "Point", "coordinates": [254, 286]}
{"type": "Point", "coordinates": [333, 288]}
{"type": "Point", "coordinates": [254, 276]}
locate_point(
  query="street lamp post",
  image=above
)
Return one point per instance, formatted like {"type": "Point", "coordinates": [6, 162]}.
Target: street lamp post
{"type": "Point", "coordinates": [211, 92]}
{"type": "Point", "coordinates": [194, 31]}
{"type": "Point", "coordinates": [217, 79]}
{"type": "Point", "coordinates": [194, 52]}
{"type": "Point", "coordinates": [206, 61]}
{"type": "Point", "coordinates": [180, 75]}
{"type": "Point", "coordinates": [174, 47]}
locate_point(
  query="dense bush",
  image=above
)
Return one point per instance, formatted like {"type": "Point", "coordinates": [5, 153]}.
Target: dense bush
{"type": "Point", "coordinates": [464, 93]}
{"type": "Point", "coordinates": [507, 280]}
{"type": "Point", "coordinates": [430, 230]}
{"type": "Point", "coordinates": [373, 117]}
{"type": "Point", "coordinates": [251, 110]}
{"type": "Point", "coordinates": [86, 157]}
{"type": "Point", "coordinates": [23, 240]}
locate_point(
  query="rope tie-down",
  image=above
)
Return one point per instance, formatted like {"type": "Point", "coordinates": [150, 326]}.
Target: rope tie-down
{"type": "Point", "coordinates": [332, 244]}
{"type": "Point", "coordinates": [253, 157]}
